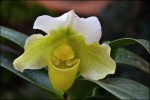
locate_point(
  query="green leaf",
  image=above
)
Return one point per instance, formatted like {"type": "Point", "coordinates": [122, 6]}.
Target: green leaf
{"type": "Point", "coordinates": [102, 94]}
{"type": "Point", "coordinates": [100, 98]}
{"type": "Point", "coordinates": [125, 88]}
{"type": "Point", "coordinates": [127, 41]}
{"type": "Point", "coordinates": [14, 36]}
{"type": "Point", "coordinates": [126, 57]}
{"type": "Point", "coordinates": [37, 77]}
{"type": "Point", "coordinates": [80, 89]}
{"type": "Point", "coordinates": [119, 87]}
{"type": "Point", "coordinates": [98, 91]}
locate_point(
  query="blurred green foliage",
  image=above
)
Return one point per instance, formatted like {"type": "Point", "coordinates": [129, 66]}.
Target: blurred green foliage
{"type": "Point", "coordinates": [20, 11]}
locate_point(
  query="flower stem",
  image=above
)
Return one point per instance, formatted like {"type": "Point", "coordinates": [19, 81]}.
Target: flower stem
{"type": "Point", "coordinates": [65, 96]}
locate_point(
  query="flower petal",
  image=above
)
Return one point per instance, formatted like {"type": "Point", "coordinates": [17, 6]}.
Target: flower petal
{"type": "Point", "coordinates": [33, 38]}
{"type": "Point", "coordinates": [35, 55]}
{"type": "Point", "coordinates": [47, 23]}
{"type": "Point", "coordinates": [38, 49]}
{"type": "Point", "coordinates": [89, 27]}
{"type": "Point", "coordinates": [62, 79]}
{"type": "Point", "coordinates": [106, 47]}
{"type": "Point", "coordinates": [95, 61]}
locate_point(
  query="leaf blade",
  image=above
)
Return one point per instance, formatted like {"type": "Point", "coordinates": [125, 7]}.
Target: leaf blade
{"type": "Point", "coordinates": [126, 57]}
{"type": "Point", "coordinates": [84, 86]}
{"type": "Point", "coordinates": [100, 98]}
{"type": "Point", "coordinates": [14, 36]}
{"type": "Point", "coordinates": [127, 41]}
{"type": "Point", "coordinates": [124, 88]}
{"type": "Point", "coordinates": [38, 77]}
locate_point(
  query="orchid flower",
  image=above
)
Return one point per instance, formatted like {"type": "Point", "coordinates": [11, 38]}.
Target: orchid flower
{"type": "Point", "coordinates": [71, 46]}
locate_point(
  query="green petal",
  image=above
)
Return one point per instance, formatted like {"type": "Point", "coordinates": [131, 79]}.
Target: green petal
{"type": "Point", "coordinates": [62, 79]}
{"type": "Point", "coordinates": [37, 49]}
{"type": "Point", "coordinates": [95, 60]}
{"type": "Point", "coordinates": [106, 47]}
{"type": "Point", "coordinates": [33, 38]}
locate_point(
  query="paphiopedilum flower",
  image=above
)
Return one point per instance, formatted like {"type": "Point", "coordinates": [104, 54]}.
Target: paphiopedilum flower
{"type": "Point", "coordinates": [71, 46]}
